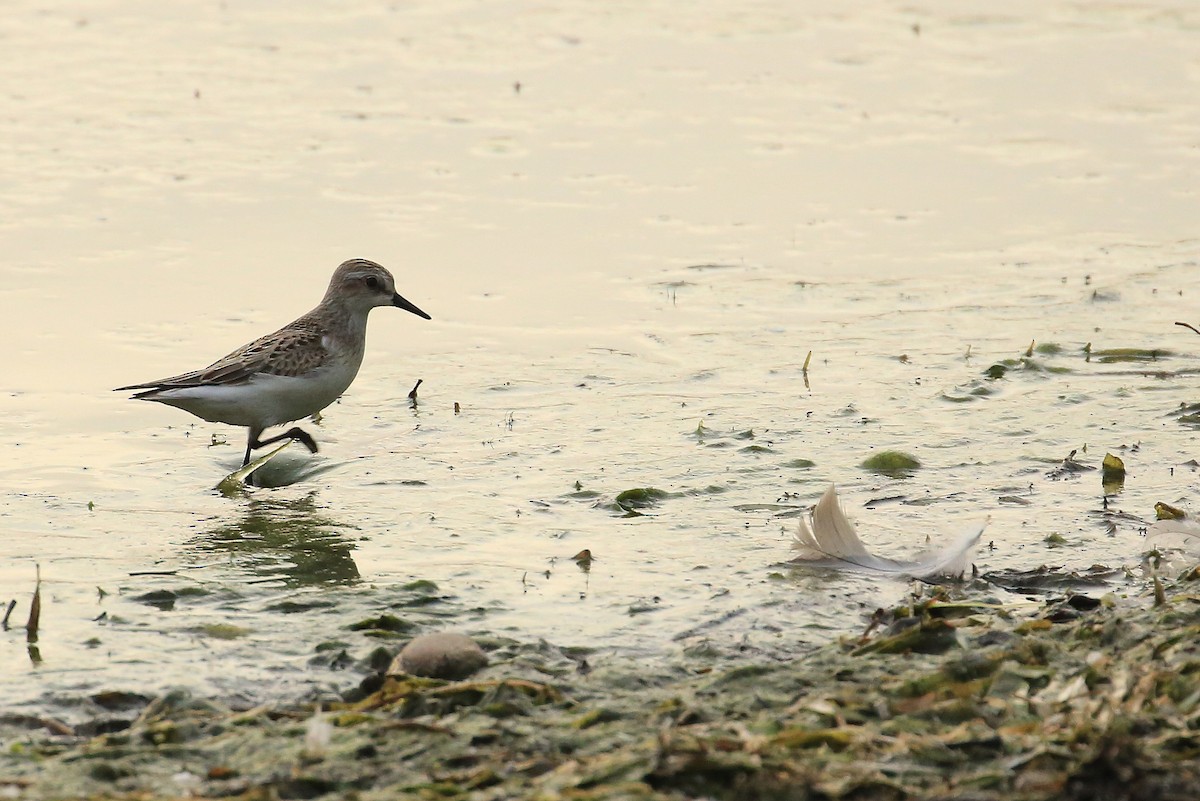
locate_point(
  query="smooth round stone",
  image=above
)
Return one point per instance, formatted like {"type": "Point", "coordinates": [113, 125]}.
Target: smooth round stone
{"type": "Point", "coordinates": [443, 655]}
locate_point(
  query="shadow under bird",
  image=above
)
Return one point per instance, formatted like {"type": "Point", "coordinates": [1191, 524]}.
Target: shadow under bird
{"type": "Point", "coordinates": [295, 372]}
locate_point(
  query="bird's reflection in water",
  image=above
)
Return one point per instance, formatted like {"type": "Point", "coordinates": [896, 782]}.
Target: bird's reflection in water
{"type": "Point", "coordinates": [286, 541]}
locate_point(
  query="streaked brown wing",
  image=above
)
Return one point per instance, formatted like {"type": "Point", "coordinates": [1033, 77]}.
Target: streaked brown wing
{"type": "Point", "coordinates": [296, 350]}
{"type": "Point", "coordinates": [290, 351]}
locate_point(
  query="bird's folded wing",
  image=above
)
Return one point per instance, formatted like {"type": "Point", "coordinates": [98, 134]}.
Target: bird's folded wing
{"type": "Point", "coordinates": [285, 352]}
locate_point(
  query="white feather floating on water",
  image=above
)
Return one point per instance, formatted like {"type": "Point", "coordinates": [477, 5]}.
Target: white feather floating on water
{"type": "Point", "coordinates": [829, 540]}
{"type": "Point", "coordinates": [1182, 535]}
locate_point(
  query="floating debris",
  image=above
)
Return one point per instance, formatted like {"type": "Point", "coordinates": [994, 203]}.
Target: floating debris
{"type": "Point", "coordinates": [631, 500]}
{"type": "Point", "coordinates": [828, 539]}
{"type": "Point", "coordinates": [1069, 467]}
{"type": "Point", "coordinates": [895, 464]}
{"type": "Point", "coordinates": [583, 559]}
{"type": "Point", "coordinates": [1119, 355]}
{"type": "Point", "coordinates": [1179, 535]}
{"type": "Point", "coordinates": [1165, 511]}
{"type": "Point", "coordinates": [234, 484]}
{"type": "Point", "coordinates": [1046, 579]}
{"type": "Point", "coordinates": [1112, 474]}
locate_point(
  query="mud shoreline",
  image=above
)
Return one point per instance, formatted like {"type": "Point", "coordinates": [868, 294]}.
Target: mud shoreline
{"type": "Point", "coordinates": [948, 697]}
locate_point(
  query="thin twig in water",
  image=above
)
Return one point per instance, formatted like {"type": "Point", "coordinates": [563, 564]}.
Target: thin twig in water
{"type": "Point", "coordinates": [412, 394]}
{"type": "Point", "coordinates": [1189, 325]}
{"type": "Point", "coordinates": [11, 606]}
{"type": "Point", "coordinates": [35, 609]}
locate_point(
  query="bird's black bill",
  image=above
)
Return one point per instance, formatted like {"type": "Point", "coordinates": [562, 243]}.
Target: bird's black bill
{"type": "Point", "coordinates": [404, 304]}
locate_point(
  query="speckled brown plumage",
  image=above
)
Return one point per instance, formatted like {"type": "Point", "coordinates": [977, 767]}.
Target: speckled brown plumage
{"type": "Point", "coordinates": [293, 350]}
{"type": "Point", "coordinates": [291, 373]}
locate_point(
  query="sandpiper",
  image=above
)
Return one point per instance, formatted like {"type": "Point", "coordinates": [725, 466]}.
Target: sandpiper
{"type": "Point", "coordinates": [290, 374]}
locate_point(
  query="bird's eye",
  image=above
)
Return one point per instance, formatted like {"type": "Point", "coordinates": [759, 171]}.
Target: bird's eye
{"type": "Point", "coordinates": [371, 281]}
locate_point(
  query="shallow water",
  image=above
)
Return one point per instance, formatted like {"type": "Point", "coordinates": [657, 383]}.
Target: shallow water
{"type": "Point", "coordinates": [631, 226]}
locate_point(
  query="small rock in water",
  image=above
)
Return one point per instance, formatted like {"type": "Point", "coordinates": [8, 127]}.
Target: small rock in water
{"type": "Point", "coordinates": [440, 656]}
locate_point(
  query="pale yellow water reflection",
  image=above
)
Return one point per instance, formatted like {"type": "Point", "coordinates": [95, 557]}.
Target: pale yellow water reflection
{"type": "Point", "coordinates": [288, 541]}
{"type": "Point", "coordinates": [627, 221]}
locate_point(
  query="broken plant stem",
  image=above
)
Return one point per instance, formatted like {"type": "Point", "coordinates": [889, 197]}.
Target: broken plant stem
{"type": "Point", "coordinates": [35, 609]}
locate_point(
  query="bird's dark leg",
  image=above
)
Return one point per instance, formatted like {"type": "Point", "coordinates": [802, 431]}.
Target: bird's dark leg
{"type": "Point", "coordinates": [251, 443]}
{"type": "Point", "coordinates": [298, 434]}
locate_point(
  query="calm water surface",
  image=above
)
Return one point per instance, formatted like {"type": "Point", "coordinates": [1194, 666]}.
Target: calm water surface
{"type": "Point", "coordinates": [631, 224]}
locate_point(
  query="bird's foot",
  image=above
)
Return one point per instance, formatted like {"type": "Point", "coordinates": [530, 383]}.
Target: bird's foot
{"type": "Point", "coordinates": [302, 436]}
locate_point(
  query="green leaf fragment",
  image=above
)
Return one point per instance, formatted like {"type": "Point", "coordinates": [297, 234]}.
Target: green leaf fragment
{"type": "Point", "coordinates": [1112, 469]}
{"type": "Point", "coordinates": [235, 483]}
{"type": "Point", "coordinates": [891, 462]}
